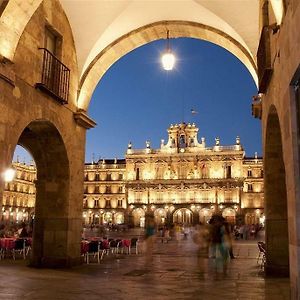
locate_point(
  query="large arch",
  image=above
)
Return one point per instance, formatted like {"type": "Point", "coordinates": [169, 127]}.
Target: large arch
{"type": "Point", "coordinates": [112, 37]}
{"type": "Point", "coordinates": [14, 19]}
{"type": "Point", "coordinates": [151, 32]}
{"type": "Point", "coordinates": [51, 235]}
{"type": "Point", "coordinates": [277, 235]}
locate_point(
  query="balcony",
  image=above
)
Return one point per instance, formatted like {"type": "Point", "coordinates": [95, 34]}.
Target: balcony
{"type": "Point", "coordinates": [256, 108]}
{"type": "Point", "coordinates": [264, 64]}
{"type": "Point", "coordinates": [55, 77]}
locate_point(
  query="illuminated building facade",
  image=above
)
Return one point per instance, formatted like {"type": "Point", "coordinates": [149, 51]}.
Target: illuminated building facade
{"type": "Point", "coordinates": [104, 192]}
{"type": "Point", "coordinates": [183, 181]}
{"type": "Point", "coordinates": [19, 195]}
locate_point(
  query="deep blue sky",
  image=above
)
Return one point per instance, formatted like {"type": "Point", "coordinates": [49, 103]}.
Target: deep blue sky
{"type": "Point", "coordinates": [136, 100]}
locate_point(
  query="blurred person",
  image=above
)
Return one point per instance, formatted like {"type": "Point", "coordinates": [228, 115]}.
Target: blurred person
{"type": "Point", "coordinates": [149, 238]}
{"type": "Point", "coordinates": [201, 237]}
{"type": "Point", "coordinates": [167, 236]}
{"type": "Point", "coordinates": [2, 231]}
{"type": "Point", "coordinates": [219, 243]}
{"type": "Point", "coordinates": [228, 233]}
{"type": "Point", "coordinates": [23, 232]}
{"type": "Point", "coordinates": [177, 229]}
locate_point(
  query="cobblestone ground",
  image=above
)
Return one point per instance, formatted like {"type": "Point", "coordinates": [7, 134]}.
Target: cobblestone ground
{"type": "Point", "coordinates": [176, 273]}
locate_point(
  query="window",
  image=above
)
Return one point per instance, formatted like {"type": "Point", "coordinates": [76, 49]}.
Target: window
{"type": "Point", "coordinates": [53, 41]}
{"type": "Point", "coordinates": [107, 205]}
{"type": "Point", "coordinates": [108, 177]}
{"type": "Point", "coordinates": [182, 143]}
{"type": "Point", "coordinates": [120, 176]}
{"type": "Point", "coordinates": [192, 144]}
{"type": "Point", "coordinates": [138, 174]}
{"type": "Point", "coordinates": [120, 189]}
{"type": "Point", "coordinates": [250, 187]}
{"type": "Point", "coordinates": [120, 203]}
{"type": "Point", "coordinates": [55, 75]}
{"type": "Point", "coordinates": [227, 171]}
{"type": "Point", "coordinates": [249, 173]}
{"type": "Point", "coordinates": [96, 203]}
{"type": "Point", "coordinates": [108, 189]}
{"type": "Point", "coordinates": [97, 190]}
{"type": "Point", "coordinates": [50, 41]}
{"type": "Point", "coordinates": [97, 177]}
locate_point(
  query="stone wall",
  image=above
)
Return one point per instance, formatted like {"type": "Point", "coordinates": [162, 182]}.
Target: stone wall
{"type": "Point", "coordinates": [49, 131]}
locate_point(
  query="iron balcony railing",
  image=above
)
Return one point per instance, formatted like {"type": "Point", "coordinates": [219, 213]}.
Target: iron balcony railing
{"type": "Point", "coordinates": [55, 77]}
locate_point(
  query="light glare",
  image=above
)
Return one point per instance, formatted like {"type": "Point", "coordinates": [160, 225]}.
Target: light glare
{"type": "Point", "coordinates": [168, 61]}
{"type": "Point", "coordinates": [9, 175]}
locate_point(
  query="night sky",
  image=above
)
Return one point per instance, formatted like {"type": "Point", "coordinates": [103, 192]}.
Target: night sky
{"type": "Point", "coordinates": [136, 100]}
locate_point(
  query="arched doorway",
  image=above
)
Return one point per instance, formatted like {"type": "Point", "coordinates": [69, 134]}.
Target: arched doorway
{"type": "Point", "coordinates": [160, 216]}
{"type": "Point", "coordinates": [183, 216]}
{"type": "Point", "coordinates": [254, 217]}
{"type": "Point", "coordinates": [138, 217]}
{"type": "Point", "coordinates": [250, 218]}
{"type": "Point", "coordinates": [205, 215]}
{"type": "Point", "coordinates": [275, 199]}
{"type": "Point", "coordinates": [229, 214]}
{"type": "Point", "coordinates": [51, 236]}
{"type": "Point", "coordinates": [119, 218]}
{"type": "Point", "coordinates": [107, 218]}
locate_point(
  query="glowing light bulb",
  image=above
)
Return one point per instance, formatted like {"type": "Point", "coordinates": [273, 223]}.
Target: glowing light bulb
{"type": "Point", "coordinates": [9, 175]}
{"type": "Point", "coordinates": [168, 60]}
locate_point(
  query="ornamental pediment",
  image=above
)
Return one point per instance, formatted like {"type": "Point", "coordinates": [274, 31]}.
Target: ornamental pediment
{"type": "Point", "coordinates": [161, 161]}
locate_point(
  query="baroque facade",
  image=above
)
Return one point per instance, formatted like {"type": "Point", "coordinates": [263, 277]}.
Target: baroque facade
{"type": "Point", "coordinates": [183, 181]}
{"type": "Point", "coordinates": [19, 195]}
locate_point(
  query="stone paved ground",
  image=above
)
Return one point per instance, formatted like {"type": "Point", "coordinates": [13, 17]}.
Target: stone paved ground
{"type": "Point", "coordinates": [176, 273]}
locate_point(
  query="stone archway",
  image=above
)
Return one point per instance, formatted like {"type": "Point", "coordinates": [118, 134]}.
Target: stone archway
{"type": "Point", "coordinates": [151, 32]}
{"type": "Point", "coordinates": [205, 215]}
{"type": "Point", "coordinates": [138, 217]}
{"type": "Point", "coordinates": [277, 236]}
{"type": "Point", "coordinates": [229, 214]}
{"type": "Point", "coordinates": [183, 216]}
{"type": "Point", "coordinates": [52, 237]}
{"type": "Point", "coordinates": [160, 216]}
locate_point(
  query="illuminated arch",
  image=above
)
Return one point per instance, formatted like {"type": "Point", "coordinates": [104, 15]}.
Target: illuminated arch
{"type": "Point", "coordinates": [155, 31]}
{"type": "Point", "coordinates": [14, 19]}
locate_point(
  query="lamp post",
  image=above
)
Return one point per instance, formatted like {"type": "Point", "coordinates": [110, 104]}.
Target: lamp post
{"type": "Point", "coordinates": [168, 58]}
{"type": "Point", "coordinates": [9, 174]}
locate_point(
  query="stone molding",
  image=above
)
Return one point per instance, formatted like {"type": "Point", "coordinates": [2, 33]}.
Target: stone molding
{"type": "Point", "coordinates": [82, 119]}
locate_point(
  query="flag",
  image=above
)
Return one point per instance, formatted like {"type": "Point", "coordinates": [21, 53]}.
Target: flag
{"type": "Point", "coordinates": [193, 111]}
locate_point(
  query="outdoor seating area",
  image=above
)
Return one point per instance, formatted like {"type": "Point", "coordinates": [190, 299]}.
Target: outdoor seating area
{"type": "Point", "coordinates": [95, 249]}
{"type": "Point", "coordinates": [15, 247]}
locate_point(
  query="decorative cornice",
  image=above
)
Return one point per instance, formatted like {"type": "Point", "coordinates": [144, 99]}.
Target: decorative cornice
{"type": "Point", "coordinates": [82, 119]}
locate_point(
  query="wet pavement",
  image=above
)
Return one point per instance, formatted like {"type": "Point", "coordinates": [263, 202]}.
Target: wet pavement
{"type": "Point", "coordinates": [176, 272]}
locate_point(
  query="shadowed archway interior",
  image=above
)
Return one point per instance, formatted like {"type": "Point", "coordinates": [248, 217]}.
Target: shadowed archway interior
{"type": "Point", "coordinates": [277, 237]}
{"type": "Point", "coordinates": [50, 238]}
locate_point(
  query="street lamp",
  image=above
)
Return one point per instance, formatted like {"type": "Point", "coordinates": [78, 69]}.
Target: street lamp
{"type": "Point", "coordinates": [9, 174]}
{"type": "Point", "coordinates": [168, 58]}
